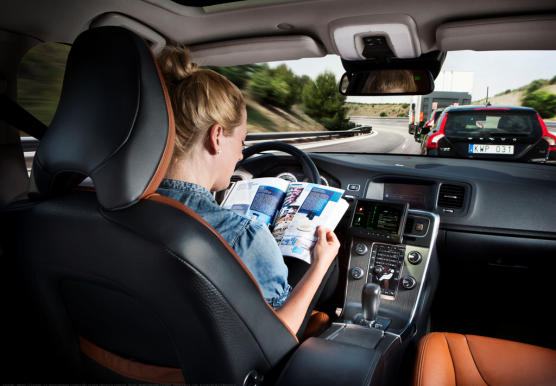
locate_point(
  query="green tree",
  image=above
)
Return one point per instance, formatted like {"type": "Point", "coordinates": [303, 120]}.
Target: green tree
{"type": "Point", "coordinates": [535, 85]}
{"type": "Point", "coordinates": [269, 87]}
{"type": "Point", "coordinates": [553, 80]}
{"type": "Point", "coordinates": [383, 114]}
{"type": "Point", "coordinates": [238, 75]}
{"type": "Point", "coordinates": [542, 101]}
{"type": "Point", "coordinates": [323, 102]}
{"type": "Point", "coordinates": [405, 105]}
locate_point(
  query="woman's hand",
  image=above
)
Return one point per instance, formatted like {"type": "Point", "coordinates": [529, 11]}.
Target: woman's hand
{"type": "Point", "coordinates": [326, 248]}
{"type": "Point", "coordinates": [294, 309]}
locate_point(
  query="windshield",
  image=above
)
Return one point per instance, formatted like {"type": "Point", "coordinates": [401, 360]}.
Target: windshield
{"type": "Point", "coordinates": [302, 96]}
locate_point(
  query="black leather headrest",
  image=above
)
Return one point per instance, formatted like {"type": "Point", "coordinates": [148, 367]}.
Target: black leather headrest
{"type": "Point", "coordinates": [114, 122]}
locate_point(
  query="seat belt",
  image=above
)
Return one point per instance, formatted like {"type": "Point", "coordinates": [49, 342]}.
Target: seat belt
{"type": "Point", "coordinates": [16, 116]}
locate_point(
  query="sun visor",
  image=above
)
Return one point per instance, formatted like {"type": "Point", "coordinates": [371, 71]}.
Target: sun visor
{"type": "Point", "coordinates": [399, 31]}
{"type": "Point", "coordinates": [256, 50]}
{"type": "Point", "coordinates": [534, 32]}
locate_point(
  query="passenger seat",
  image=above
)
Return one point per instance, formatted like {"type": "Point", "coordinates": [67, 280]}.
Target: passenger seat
{"type": "Point", "coordinates": [447, 359]}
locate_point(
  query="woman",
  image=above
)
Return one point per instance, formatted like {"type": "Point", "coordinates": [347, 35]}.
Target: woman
{"type": "Point", "coordinates": [211, 125]}
{"type": "Point", "coordinates": [391, 81]}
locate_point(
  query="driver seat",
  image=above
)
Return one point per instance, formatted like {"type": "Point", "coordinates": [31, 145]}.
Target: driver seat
{"type": "Point", "coordinates": [117, 283]}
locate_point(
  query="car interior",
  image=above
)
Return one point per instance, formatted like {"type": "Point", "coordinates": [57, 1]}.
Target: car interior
{"type": "Point", "coordinates": [105, 281]}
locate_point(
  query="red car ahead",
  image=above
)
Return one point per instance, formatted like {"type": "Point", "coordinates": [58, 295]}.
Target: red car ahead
{"type": "Point", "coordinates": [505, 133]}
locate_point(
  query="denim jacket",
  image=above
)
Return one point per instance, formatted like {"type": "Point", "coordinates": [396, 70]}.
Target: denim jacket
{"type": "Point", "coordinates": [250, 239]}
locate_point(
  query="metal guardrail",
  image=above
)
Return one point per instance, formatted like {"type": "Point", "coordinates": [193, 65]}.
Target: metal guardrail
{"type": "Point", "coordinates": [309, 134]}
{"type": "Point", "coordinates": [366, 116]}
{"type": "Point", "coordinates": [31, 144]}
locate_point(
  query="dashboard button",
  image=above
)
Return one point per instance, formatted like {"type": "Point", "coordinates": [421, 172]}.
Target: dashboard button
{"type": "Point", "coordinates": [353, 187]}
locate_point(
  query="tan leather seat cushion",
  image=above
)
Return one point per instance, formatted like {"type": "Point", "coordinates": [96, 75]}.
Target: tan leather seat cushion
{"type": "Point", "coordinates": [453, 359]}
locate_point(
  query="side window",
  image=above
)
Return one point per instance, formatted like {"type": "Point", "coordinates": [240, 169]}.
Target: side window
{"type": "Point", "coordinates": [39, 82]}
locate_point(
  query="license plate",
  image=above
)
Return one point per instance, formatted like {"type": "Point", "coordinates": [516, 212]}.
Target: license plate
{"type": "Point", "coordinates": [491, 149]}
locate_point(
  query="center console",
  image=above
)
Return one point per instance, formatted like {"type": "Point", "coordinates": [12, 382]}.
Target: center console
{"type": "Point", "coordinates": [391, 256]}
{"type": "Point", "coordinates": [380, 254]}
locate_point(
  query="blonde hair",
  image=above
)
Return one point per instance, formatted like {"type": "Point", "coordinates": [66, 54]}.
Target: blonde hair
{"type": "Point", "coordinates": [200, 98]}
{"type": "Point", "coordinates": [392, 80]}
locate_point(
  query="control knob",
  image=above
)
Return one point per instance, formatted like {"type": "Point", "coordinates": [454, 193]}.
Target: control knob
{"type": "Point", "coordinates": [357, 273]}
{"type": "Point", "coordinates": [409, 282]}
{"type": "Point", "coordinates": [379, 269]}
{"type": "Point", "coordinates": [361, 249]}
{"type": "Point", "coordinates": [414, 257]}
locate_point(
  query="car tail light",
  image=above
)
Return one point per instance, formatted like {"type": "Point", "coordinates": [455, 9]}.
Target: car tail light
{"type": "Point", "coordinates": [430, 122]}
{"type": "Point", "coordinates": [432, 142]}
{"type": "Point", "coordinates": [550, 138]}
{"type": "Point", "coordinates": [493, 108]}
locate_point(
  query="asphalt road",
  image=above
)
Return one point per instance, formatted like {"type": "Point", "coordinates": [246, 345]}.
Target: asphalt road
{"type": "Point", "coordinates": [392, 137]}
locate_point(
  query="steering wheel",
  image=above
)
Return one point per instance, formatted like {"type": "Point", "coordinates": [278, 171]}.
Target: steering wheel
{"type": "Point", "coordinates": [309, 167]}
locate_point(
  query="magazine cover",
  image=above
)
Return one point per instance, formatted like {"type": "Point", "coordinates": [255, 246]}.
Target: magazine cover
{"type": "Point", "coordinates": [258, 199]}
{"type": "Point", "coordinates": [305, 207]}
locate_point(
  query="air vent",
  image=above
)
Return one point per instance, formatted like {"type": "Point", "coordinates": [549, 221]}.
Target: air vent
{"type": "Point", "coordinates": [451, 196]}
{"type": "Point", "coordinates": [409, 225]}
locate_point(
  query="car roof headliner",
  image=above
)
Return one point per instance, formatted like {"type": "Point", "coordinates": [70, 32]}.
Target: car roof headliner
{"type": "Point", "coordinates": [62, 20]}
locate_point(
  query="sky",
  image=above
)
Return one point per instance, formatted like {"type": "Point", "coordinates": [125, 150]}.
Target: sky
{"type": "Point", "coordinates": [498, 70]}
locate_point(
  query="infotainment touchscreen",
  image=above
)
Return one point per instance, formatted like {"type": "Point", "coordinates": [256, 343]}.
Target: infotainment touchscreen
{"type": "Point", "coordinates": [417, 196]}
{"type": "Point", "coordinates": [379, 220]}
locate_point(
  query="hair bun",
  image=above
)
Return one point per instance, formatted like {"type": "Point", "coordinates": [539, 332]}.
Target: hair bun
{"type": "Point", "coordinates": [175, 64]}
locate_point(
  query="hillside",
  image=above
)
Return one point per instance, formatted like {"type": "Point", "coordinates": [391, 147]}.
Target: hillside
{"type": "Point", "coordinates": [263, 118]}
{"type": "Point", "coordinates": [513, 98]}
{"type": "Point", "coordinates": [374, 110]}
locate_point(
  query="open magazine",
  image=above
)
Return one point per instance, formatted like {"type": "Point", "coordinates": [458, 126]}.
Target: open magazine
{"type": "Point", "coordinates": [292, 210]}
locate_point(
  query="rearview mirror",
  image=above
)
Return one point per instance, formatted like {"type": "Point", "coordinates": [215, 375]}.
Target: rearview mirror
{"type": "Point", "coordinates": [387, 82]}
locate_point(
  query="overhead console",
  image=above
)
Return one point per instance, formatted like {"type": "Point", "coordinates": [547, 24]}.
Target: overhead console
{"type": "Point", "coordinates": [373, 36]}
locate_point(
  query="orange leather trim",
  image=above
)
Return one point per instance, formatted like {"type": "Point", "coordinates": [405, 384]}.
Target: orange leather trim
{"type": "Point", "coordinates": [507, 363]}
{"type": "Point", "coordinates": [131, 369]}
{"type": "Point", "coordinates": [318, 323]}
{"type": "Point", "coordinates": [464, 365]}
{"type": "Point", "coordinates": [170, 140]}
{"type": "Point", "coordinates": [469, 360]}
{"type": "Point", "coordinates": [433, 366]}
{"type": "Point", "coordinates": [184, 208]}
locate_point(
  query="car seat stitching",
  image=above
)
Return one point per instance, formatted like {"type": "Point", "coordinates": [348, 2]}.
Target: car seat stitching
{"type": "Point", "coordinates": [471, 352]}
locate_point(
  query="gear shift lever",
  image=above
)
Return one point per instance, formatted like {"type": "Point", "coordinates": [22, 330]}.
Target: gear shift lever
{"type": "Point", "coordinates": [370, 299]}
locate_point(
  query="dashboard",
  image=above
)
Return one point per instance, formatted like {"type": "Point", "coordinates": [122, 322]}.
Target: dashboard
{"type": "Point", "coordinates": [495, 222]}
{"type": "Point", "coordinates": [483, 196]}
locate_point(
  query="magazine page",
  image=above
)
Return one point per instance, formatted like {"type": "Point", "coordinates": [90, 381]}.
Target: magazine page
{"type": "Point", "coordinates": [305, 207]}
{"type": "Point", "coordinates": [258, 199]}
